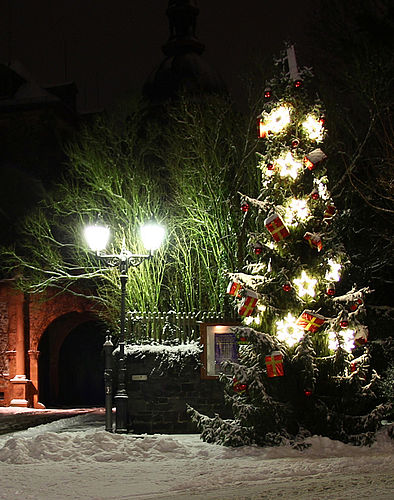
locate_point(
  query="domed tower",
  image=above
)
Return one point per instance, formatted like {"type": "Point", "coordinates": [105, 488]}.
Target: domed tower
{"type": "Point", "coordinates": [183, 70]}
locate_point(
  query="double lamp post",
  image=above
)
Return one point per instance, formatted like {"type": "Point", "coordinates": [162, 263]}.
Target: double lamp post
{"type": "Point", "coordinates": [97, 237]}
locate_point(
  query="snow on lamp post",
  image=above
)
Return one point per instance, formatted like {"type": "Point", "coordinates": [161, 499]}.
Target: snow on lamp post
{"type": "Point", "coordinates": [97, 237]}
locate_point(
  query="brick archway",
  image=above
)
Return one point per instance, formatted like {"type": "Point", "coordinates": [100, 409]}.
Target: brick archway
{"type": "Point", "coordinates": [23, 321]}
{"type": "Point", "coordinates": [50, 346]}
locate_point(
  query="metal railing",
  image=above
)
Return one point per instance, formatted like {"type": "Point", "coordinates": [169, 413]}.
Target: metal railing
{"type": "Point", "coordinates": [171, 325]}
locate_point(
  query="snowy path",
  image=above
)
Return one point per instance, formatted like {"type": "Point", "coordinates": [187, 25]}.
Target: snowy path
{"type": "Point", "coordinates": [76, 459]}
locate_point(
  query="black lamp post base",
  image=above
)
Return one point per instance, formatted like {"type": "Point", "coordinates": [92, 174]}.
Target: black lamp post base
{"type": "Point", "coordinates": [121, 403]}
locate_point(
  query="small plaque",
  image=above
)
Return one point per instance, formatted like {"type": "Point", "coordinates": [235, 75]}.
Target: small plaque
{"type": "Point", "coordinates": [139, 377]}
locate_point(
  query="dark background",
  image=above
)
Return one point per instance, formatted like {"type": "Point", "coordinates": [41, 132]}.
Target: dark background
{"type": "Point", "coordinates": [108, 48]}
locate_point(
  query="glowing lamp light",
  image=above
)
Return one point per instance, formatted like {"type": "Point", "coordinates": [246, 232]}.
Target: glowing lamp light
{"type": "Point", "coordinates": [345, 338]}
{"type": "Point", "coordinates": [152, 235]}
{"type": "Point", "coordinates": [296, 211]}
{"type": "Point", "coordinates": [314, 128]}
{"type": "Point", "coordinates": [333, 273]}
{"type": "Point", "coordinates": [288, 331]}
{"type": "Point", "coordinates": [275, 121]}
{"type": "Point", "coordinates": [97, 236]}
{"type": "Point", "coordinates": [288, 166]}
{"type": "Point", "coordinates": [305, 285]}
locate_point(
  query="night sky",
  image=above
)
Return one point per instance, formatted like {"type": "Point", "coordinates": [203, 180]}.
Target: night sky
{"type": "Point", "coordinates": [109, 48]}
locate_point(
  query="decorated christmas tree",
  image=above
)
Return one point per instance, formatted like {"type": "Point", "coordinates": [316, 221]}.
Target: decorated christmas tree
{"type": "Point", "coordinates": [304, 363]}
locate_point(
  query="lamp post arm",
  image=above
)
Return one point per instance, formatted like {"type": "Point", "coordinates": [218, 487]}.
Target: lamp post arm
{"type": "Point", "coordinates": [133, 259]}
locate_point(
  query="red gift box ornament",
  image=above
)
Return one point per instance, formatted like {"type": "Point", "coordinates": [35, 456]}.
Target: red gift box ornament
{"type": "Point", "coordinates": [329, 212]}
{"type": "Point", "coordinates": [248, 303]}
{"type": "Point", "coordinates": [310, 321]}
{"type": "Point", "coordinates": [276, 227]}
{"type": "Point", "coordinates": [234, 288]}
{"type": "Point", "coordinates": [314, 240]}
{"type": "Point", "coordinates": [313, 158]}
{"type": "Point", "coordinates": [274, 364]}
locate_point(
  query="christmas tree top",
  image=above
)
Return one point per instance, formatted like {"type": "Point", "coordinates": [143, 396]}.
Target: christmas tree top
{"type": "Point", "coordinates": [297, 260]}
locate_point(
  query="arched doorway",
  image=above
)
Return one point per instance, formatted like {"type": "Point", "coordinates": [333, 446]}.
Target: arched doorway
{"type": "Point", "coordinates": [71, 362]}
{"type": "Point", "coordinates": [81, 366]}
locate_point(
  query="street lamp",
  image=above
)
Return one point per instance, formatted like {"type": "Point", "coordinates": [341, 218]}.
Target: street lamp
{"type": "Point", "coordinates": [97, 237]}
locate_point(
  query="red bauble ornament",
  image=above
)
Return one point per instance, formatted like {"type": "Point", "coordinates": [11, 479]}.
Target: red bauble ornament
{"type": "Point", "coordinates": [331, 289]}
{"type": "Point", "coordinates": [297, 83]}
{"type": "Point", "coordinates": [295, 143]}
{"type": "Point", "coordinates": [307, 393]}
{"type": "Point", "coordinates": [286, 287]}
{"type": "Point", "coordinates": [258, 248]}
{"type": "Point", "coordinates": [354, 307]}
{"type": "Point", "coordinates": [270, 166]}
{"type": "Point", "coordinates": [315, 194]}
{"type": "Point", "coordinates": [238, 387]}
{"type": "Point", "coordinates": [245, 207]}
{"type": "Point", "coordinates": [267, 93]}
{"type": "Point", "coordinates": [344, 323]}
{"type": "Point", "coordinates": [359, 301]}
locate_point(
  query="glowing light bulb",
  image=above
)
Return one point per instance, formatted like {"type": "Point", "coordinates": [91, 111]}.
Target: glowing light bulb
{"type": "Point", "coordinates": [288, 166]}
{"type": "Point", "coordinates": [248, 320]}
{"type": "Point", "coordinates": [305, 285]}
{"type": "Point", "coordinates": [296, 211]}
{"type": "Point", "coordinates": [261, 308]}
{"type": "Point", "coordinates": [333, 273]}
{"type": "Point", "coordinates": [314, 128]}
{"type": "Point", "coordinates": [288, 331]}
{"type": "Point", "coordinates": [275, 121]}
{"type": "Point", "coordinates": [345, 337]}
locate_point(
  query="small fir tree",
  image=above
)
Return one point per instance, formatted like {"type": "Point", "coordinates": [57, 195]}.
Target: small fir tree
{"type": "Point", "coordinates": [304, 361]}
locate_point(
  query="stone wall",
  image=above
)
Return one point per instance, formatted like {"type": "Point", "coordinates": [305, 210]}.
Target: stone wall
{"type": "Point", "coordinates": [158, 404]}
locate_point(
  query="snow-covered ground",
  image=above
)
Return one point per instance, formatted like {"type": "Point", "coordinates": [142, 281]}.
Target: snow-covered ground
{"type": "Point", "coordinates": [75, 458]}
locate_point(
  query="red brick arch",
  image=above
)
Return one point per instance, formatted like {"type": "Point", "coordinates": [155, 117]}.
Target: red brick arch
{"type": "Point", "coordinates": [24, 320]}
{"type": "Point", "coordinates": [42, 313]}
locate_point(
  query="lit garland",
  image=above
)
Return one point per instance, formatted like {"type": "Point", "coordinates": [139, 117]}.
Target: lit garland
{"type": "Point", "coordinates": [305, 285]}
{"type": "Point", "coordinates": [296, 211]}
{"type": "Point", "coordinates": [275, 121]}
{"type": "Point", "coordinates": [314, 128]}
{"type": "Point", "coordinates": [344, 337]}
{"type": "Point", "coordinates": [333, 273]}
{"type": "Point", "coordinates": [288, 166]}
{"type": "Point", "coordinates": [288, 331]}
